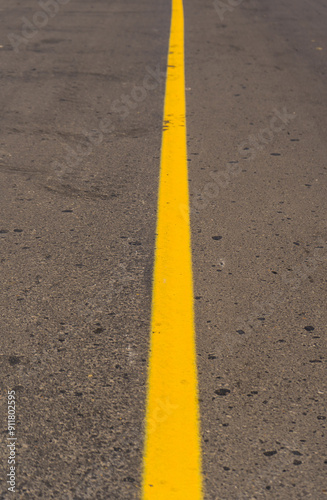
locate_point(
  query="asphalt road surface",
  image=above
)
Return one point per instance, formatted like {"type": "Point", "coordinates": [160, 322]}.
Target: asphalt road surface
{"type": "Point", "coordinates": [82, 94]}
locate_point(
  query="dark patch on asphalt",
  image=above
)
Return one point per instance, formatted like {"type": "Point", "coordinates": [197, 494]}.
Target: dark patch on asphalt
{"type": "Point", "coordinates": [270, 453]}
{"type": "Point", "coordinates": [98, 330]}
{"type": "Point", "coordinates": [222, 392]}
{"type": "Point", "coordinates": [14, 360]}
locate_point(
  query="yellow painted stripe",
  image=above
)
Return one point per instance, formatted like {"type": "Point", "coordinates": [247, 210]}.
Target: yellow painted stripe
{"type": "Point", "coordinates": [172, 456]}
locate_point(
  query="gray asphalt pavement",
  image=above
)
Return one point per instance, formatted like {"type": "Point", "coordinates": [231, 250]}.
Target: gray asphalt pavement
{"type": "Point", "coordinates": [82, 90]}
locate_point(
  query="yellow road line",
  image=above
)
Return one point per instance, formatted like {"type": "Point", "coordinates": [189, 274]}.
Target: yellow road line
{"type": "Point", "coordinates": [172, 456]}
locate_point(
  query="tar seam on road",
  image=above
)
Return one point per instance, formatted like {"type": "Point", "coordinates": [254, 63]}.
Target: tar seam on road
{"type": "Point", "coordinates": [172, 454]}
